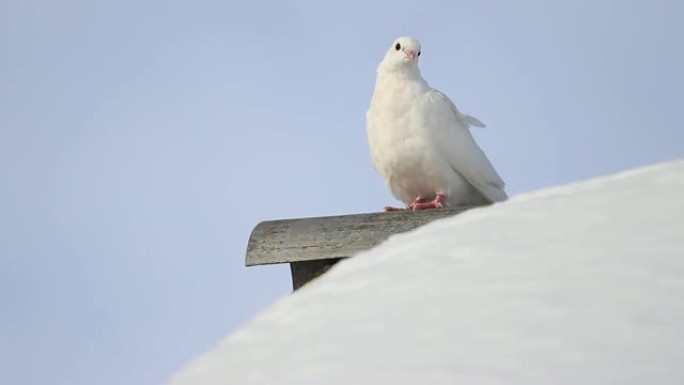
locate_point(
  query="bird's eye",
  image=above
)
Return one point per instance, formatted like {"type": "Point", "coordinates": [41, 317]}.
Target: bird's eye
{"type": "Point", "coordinates": [418, 53]}
{"type": "Point", "coordinates": [397, 47]}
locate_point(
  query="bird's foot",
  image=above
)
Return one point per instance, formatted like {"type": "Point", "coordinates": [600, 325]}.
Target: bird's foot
{"type": "Point", "coordinates": [408, 207]}
{"type": "Point", "coordinates": [389, 209]}
{"type": "Point", "coordinates": [421, 204]}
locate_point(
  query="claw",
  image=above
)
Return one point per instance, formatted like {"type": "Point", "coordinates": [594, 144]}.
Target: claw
{"type": "Point", "coordinates": [420, 204]}
{"type": "Point", "coordinates": [389, 209]}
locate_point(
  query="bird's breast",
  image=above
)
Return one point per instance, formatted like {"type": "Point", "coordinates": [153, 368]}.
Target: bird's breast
{"type": "Point", "coordinates": [400, 149]}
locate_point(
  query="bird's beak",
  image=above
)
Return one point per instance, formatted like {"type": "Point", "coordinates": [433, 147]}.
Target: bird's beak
{"type": "Point", "coordinates": [411, 55]}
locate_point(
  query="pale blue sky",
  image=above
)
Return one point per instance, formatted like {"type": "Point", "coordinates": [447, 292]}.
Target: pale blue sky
{"type": "Point", "coordinates": [141, 141]}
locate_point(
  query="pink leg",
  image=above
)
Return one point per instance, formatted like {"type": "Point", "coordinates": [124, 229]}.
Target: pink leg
{"type": "Point", "coordinates": [408, 207]}
{"type": "Point", "coordinates": [436, 203]}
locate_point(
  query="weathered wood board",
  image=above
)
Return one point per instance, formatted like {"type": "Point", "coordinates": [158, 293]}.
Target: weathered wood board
{"type": "Point", "coordinates": [308, 239]}
{"type": "Point", "coordinates": [305, 271]}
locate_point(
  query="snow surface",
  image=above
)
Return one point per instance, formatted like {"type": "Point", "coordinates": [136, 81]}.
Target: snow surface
{"type": "Point", "coordinates": [582, 284]}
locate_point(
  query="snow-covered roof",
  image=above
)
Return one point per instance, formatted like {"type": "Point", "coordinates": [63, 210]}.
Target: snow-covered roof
{"type": "Point", "coordinates": [582, 284]}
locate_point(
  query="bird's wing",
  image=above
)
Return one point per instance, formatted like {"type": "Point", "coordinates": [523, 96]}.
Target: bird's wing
{"type": "Point", "coordinates": [449, 131]}
{"type": "Point", "coordinates": [465, 119]}
{"type": "Point", "coordinates": [469, 120]}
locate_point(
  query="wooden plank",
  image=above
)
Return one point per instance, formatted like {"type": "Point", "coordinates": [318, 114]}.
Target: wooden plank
{"type": "Point", "coordinates": [307, 239]}
{"type": "Point", "coordinates": [305, 271]}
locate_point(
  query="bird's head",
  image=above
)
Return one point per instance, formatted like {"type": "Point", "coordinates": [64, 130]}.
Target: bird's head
{"type": "Point", "coordinates": [403, 53]}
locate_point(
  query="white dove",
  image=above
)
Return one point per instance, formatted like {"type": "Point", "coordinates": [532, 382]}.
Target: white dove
{"type": "Point", "coordinates": [421, 143]}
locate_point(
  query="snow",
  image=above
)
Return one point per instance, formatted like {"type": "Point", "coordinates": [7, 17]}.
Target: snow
{"type": "Point", "coordinates": [581, 284]}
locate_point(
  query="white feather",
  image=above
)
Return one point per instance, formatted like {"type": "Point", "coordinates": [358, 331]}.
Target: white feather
{"type": "Point", "coordinates": [420, 142]}
{"type": "Point", "coordinates": [472, 121]}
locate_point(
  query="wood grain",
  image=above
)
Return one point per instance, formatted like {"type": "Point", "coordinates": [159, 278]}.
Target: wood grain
{"type": "Point", "coordinates": [308, 239]}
